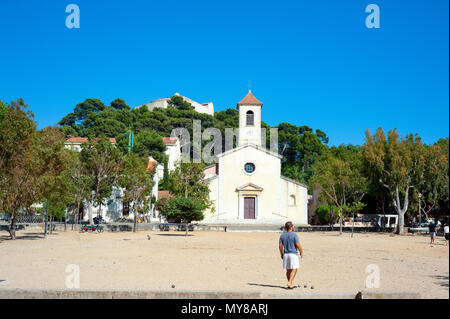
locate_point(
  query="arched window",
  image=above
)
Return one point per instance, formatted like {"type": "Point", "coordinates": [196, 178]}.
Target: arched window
{"type": "Point", "coordinates": [250, 118]}
{"type": "Point", "coordinates": [292, 201]}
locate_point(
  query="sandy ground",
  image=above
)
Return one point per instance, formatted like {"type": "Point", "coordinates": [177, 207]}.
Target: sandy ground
{"type": "Point", "coordinates": [223, 261]}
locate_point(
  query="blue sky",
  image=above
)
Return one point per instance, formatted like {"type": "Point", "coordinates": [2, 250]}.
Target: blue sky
{"type": "Point", "coordinates": [310, 62]}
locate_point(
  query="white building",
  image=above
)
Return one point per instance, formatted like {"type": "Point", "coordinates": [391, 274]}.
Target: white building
{"type": "Point", "coordinates": [207, 108]}
{"type": "Point", "coordinates": [74, 143]}
{"type": "Point", "coordinates": [115, 208]}
{"type": "Point", "coordinates": [246, 185]}
{"type": "Point", "coordinates": [173, 152]}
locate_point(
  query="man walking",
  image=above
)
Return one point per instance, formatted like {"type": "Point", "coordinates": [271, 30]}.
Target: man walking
{"type": "Point", "coordinates": [432, 230]}
{"type": "Point", "coordinates": [289, 246]}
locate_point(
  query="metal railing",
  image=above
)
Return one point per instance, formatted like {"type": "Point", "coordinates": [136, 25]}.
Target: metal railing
{"type": "Point", "coordinates": [28, 219]}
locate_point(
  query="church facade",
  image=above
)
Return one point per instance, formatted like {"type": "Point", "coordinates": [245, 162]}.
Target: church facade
{"type": "Point", "coordinates": [246, 185]}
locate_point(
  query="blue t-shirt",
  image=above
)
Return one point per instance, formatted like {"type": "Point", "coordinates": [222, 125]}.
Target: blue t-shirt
{"type": "Point", "coordinates": [288, 239]}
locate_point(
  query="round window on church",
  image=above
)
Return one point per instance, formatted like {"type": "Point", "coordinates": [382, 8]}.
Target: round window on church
{"type": "Point", "coordinates": [249, 168]}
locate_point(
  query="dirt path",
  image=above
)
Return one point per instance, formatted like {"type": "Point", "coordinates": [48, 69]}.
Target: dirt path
{"type": "Point", "coordinates": [222, 261]}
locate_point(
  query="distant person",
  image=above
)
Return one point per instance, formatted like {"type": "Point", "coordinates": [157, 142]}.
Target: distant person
{"type": "Point", "coordinates": [446, 234]}
{"type": "Point", "coordinates": [432, 230]}
{"type": "Point", "coordinates": [375, 223]}
{"type": "Point", "coordinates": [289, 246]}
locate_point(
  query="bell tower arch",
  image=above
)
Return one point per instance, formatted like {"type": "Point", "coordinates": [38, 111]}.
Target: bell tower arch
{"type": "Point", "coordinates": [249, 120]}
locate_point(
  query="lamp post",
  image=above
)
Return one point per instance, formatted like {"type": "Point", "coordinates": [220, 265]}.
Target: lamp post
{"type": "Point", "coordinates": [420, 220]}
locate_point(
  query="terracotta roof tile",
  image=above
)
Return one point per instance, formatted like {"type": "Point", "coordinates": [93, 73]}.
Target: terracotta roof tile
{"type": "Point", "coordinates": [164, 194]}
{"type": "Point", "coordinates": [249, 99]}
{"type": "Point", "coordinates": [84, 140]}
{"type": "Point", "coordinates": [151, 165]}
{"type": "Point", "coordinates": [210, 170]}
{"type": "Point", "coordinates": [169, 140]}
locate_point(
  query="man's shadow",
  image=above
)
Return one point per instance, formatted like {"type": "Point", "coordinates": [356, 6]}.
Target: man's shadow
{"type": "Point", "coordinates": [268, 286]}
{"type": "Point", "coordinates": [443, 280]}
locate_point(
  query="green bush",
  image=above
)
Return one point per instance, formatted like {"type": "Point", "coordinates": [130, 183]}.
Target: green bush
{"type": "Point", "coordinates": [323, 213]}
{"type": "Point", "coordinates": [183, 209]}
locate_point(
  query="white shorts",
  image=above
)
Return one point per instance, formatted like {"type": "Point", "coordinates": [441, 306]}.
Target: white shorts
{"type": "Point", "coordinates": [290, 261]}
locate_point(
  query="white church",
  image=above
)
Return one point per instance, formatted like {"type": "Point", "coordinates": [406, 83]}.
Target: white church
{"type": "Point", "coordinates": [246, 185]}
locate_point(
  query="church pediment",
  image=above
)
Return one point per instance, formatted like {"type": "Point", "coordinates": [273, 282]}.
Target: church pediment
{"type": "Point", "coordinates": [249, 187]}
{"type": "Point", "coordinates": [259, 148]}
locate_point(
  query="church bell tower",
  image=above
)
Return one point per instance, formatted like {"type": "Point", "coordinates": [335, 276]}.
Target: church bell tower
{"type": "Point", "coordinates": [249, 120]}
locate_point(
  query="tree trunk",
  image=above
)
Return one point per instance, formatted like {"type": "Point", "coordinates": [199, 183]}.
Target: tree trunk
{"type": "Point", "coordinates": [135, 218]}
{"type": "Point", "coordinates": [353, 225]}
{"type": "Point", "coordinates": [46, 219]}
{"type": "Point", "coordinates": [51, 224]}
{"type": "Point", "coordinates": [12, 228]}
{"type": "Point", "coordinates": [186, 229]}
{"type": "Point", "coordinates": [340, 222]}
{"type": "Point", "coordinates": [77, 212]}
{"type": "Point", "coordinates": [398, 207]}
{"type": "Point", "coordinates": [331, 220]}
{"type": "Point", "coordinates": [91, 218]}
{"type": "Point", "coordinates": [420, 218]}
{"type": "Point", "coordinates": [401, 221]}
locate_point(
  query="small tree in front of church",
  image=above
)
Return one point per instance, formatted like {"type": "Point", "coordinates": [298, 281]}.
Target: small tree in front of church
{"type": "Point", "coordinates": [191, 194]}
{"type": "Point", "coordinates": [184, 209]}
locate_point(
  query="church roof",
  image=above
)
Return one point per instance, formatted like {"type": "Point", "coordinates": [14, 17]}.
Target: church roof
{"type": "Point", "coordinates": [294, 181]}
{"type": "Point", "coordinates": [260, 148]}
{"type": "Point", "coordinates": [249, 99]}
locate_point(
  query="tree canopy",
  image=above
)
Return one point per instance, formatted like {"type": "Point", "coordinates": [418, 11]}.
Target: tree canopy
{"type": "Point", "coordinates": [31, 163]}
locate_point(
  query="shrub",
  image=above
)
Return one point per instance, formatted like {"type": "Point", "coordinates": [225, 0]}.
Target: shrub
{"type": "Point", "coordinates": [183, 209]}
{"type": "Point", "coordinates": [323, 213]}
